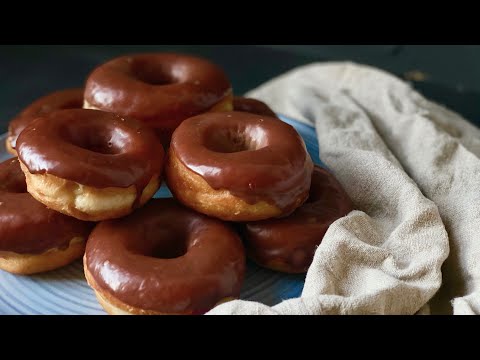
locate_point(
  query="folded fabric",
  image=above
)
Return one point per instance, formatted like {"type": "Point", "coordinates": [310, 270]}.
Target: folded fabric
{"type": "Point", "coordinates": [412, 169]}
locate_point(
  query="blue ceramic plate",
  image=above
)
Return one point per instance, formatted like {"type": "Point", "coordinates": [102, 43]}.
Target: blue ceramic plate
{"type": "Point", "coordinates": [65, 291]}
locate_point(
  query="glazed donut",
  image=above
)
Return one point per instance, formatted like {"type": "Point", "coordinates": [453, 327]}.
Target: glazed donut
{"type": "Point", "coordinates": [161, 89]}
{"type": "Point", "coordinates": [63, 99]}
{"type": "Point", "coordinates": [164, 259]}
{"type": "Point", "coordinates": [238, 166]}
{"type": "Point", "coordinates": [34, 238]}
{"type": "Point", "coordinates": [90, 164]}
{"type": "Point", "coordinates": [289, 244]}
{"type": "Point", "coordinates": [253, 106]}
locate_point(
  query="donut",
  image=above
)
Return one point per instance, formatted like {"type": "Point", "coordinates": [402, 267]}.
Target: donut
{"type": "Point", "coordinates": [253, 106]}
{"type": "Point", "coordinates": [63, 99]}
{"type": "Point", "coordinates": [90, 164]}
{"type": "Point", "coordinates": [160, 89]}
{"type": "Point", "coordinates": [164, 259]}
{"type": "Point", "coordinates": [34, 238]}
{"type": "Point", "coordinates": [238, 166]}
{"type": "Point", "coordinates": [288, 245]}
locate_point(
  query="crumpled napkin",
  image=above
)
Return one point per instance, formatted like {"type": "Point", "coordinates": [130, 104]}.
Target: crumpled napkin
{"type": "Point", "coordinates": [412, 169]}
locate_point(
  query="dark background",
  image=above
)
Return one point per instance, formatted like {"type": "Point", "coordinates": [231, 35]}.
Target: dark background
{"type": "Point", "coordinates": [449, 74]}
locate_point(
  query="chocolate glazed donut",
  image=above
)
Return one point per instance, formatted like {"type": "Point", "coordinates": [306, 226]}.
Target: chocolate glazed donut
{"type": "Point", "coordinates": [289, 244]}
{"type": "Point", "coordinates": [238, 166]}
{"type": "Point", "coordinates": [253, 106]}
{"type": "Point", "coordinates": [34, 238]}
{"type": "Point", "coordinates": [58, 100]}
{"type": "Point", "coordinates": [160, 89]}
{"type": "Point", "coordinates": [164, 259]}
{"type": "Point", "coordinates": [90, 164]}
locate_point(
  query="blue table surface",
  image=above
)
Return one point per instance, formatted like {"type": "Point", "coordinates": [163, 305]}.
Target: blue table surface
{"type": "Point", "coordinates": [451, 73]}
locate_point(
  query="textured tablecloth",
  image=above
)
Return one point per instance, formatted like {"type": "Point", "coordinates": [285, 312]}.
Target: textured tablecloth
{"type": "Point", "coordinates": [412, 169]}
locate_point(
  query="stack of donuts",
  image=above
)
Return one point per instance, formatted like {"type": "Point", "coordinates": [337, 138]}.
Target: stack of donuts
{"type": "Point", "coordinates": [88, 162]}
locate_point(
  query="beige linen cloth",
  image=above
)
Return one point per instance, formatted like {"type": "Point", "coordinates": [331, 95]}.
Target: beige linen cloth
{"type": "Point", "coordinates": [412, 169]}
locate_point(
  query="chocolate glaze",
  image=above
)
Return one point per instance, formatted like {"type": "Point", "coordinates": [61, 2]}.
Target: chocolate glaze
{"type": "Point", "coordinates": [166, 258]}
{"type": "Point", "coordinates": [254, 157]}
{"type": "Point", "coordinates": [292, 241]}
{"type": "Point", "coordinates": [92, 148]}
{"type": "Point", "coordinates": [253, 106]}
{"type": "Point", "coordinates": [160, 89]}
{"type": "Point", "coordinates": [58, 100]}
{"type": "Point", "coordinates": [27, 226]}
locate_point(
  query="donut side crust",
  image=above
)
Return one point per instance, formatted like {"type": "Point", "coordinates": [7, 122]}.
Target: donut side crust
{"type": "Point", "coordinates": [193, 191]}
{"type": "Point", "coordinates": [27, 264]}
{"type": "Point", "coordinates": [85, 202]}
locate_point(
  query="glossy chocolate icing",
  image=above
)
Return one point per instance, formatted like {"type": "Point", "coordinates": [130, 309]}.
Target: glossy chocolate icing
{"type": "Point", "coordinates": [254, 157]}
{"type": "Point", "coordinates": [160, 89]}
{"type": "Point", "coordinates": [92, 148]}
{"type": "Point", "coordinates": [253, 106]}
{"type": "Point", "coordinates": [166, 258]}
{"type": "Point", "coordinates": [292, 241]}
{"type": "Point", "coordinates": [58, 100]}
{"type": "Point", "coordinates": [27, 226]}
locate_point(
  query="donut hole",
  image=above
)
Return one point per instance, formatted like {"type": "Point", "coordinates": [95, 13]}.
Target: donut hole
{"type": "Point", "coordinates": [164, 243]}
{"type": "Point", "coordinates": [169, 250]}
{"type": "Point", "coordinates": [149, 73]}
{"type": "Point", "coordinates": [227, 140]}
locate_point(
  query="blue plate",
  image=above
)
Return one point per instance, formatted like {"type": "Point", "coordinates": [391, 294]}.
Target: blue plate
{"type": "Point", "coordinates": [65, 291]}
